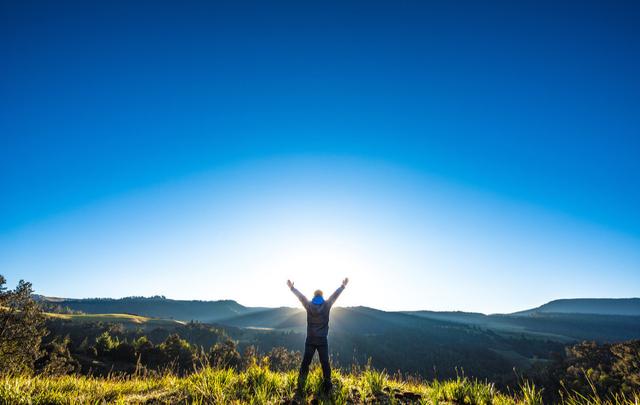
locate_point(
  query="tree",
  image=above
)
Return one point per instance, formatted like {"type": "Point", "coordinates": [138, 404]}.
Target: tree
{"type": "Point", "coordinates": [281, 359]}
{"type": "Point", "coordinates": [21, 328]}
{"type": "Point", "coordinates": [225, 355]}
{"type": "Point", "coordinates": [57, 359]}
{"type": "Point", "coordinates": [250, 356]}
{"type": "Point", "coordinates": [124, 352]}
{"type": "Point", "coordinates": [105, 344]}
{"type": "Point", "coordinates": [179, 352]}
{"type": "Point", "coordinates": [627, 364]}
{"type": "Point", "coordinates": [608, 369]}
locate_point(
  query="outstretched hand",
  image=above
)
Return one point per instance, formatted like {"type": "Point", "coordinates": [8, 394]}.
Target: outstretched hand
{"type": "Point", "coordinates": [345, 282]}
{"type": "Point", "coordinates": [290, 283]}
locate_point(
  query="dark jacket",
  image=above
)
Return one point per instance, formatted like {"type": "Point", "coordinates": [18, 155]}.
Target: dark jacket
{"type": "Point", "coordinates": [317, 316]}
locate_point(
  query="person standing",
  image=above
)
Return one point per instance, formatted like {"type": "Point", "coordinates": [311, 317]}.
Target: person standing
{"type": "Point", "coordinates": [317, 331]}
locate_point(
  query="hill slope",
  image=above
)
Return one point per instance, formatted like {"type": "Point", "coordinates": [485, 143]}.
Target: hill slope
{"type": "Point", "coordinates": [599, 306]}
{"type": "Point", "coordinates": [126, 320]}
{"type": "Point", "coordinates": [156, 307]}
{"type": "Point", "coordinates": [560, 320]}
{"type": "Point", "coordinates": [427, 343]}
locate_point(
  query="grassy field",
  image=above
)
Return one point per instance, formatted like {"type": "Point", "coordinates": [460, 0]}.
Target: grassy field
{"type": "Point", "coordinates": [125, 319]}
{"type": "Point", "coordinates": [259, 385]}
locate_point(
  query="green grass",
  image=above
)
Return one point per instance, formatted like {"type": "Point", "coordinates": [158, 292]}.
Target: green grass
{"type": "Point", "coordinates": [259, 385]}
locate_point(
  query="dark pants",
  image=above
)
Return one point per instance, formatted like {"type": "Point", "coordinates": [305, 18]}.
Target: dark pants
{"type": "Point", "coordinates": [323, 352]}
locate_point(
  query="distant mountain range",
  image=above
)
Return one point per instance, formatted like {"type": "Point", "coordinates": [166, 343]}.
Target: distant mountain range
{"type": "Point", "coordinates": [562, 320]}
{"type": "Point", "coordinates": [161, 307]}
{"type": "Point", "coordinates": [599, 306]}
{"type": "Point", "coordinates": [426, 342]}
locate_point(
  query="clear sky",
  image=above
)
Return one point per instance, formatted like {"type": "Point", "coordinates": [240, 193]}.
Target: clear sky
{"type": "Point", "coordinates": [480, 156]}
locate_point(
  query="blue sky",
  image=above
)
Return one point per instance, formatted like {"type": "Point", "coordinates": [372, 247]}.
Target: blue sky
{"type": "Point", "coordinates": [445, 155]}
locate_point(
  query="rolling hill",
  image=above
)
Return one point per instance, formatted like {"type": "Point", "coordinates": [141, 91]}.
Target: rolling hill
{"type": "Point", "coordinates": [127, 320]}
{"type": "Point", "coordinates": [156, 307]}
{"type": "Point", "coordinates": [425, 342]}
{"type": "Point", "coordinates": [560, 320]}
{"type": "Point", "coordinates": [598, 306]}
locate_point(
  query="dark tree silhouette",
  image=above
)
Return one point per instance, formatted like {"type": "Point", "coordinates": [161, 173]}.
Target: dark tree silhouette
{"type": "Point", "coordinates": [21, 328]}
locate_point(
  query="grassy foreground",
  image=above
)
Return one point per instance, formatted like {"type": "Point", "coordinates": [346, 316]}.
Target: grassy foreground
{"type": "Point", "coordinates": [259, 385]}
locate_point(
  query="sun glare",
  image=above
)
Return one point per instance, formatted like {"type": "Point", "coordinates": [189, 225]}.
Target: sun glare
{"type": "Point", "coordinates": [319, 262]}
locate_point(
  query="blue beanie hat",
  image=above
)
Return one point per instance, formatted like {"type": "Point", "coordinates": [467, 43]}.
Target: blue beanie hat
{"type": "Point", "coordinates": [318, 300]}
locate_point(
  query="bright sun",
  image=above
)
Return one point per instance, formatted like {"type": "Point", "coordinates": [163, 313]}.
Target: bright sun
{"type": "Point", "coordinates": [319, 262]}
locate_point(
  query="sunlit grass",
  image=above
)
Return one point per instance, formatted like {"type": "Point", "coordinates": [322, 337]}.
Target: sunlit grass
{"type": "Point", "coordinates": [113, 318]}
{"type": "Point", "coordinates": [259, 385]}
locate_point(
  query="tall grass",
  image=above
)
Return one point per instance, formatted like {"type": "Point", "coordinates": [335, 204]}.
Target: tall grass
{"type": "Point", "coordinates": [577, 398]}
{"type": "Point", "coordinates": [259, 385]}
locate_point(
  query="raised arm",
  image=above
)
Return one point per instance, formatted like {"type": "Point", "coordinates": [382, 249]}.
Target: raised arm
{"type": "Point", "coordinates": [301, 297]}
{"type": "Point", "coordinates": [337, 293]}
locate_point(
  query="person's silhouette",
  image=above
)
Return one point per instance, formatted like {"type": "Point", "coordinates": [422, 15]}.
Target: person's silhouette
{"type": "Point", "coordinates": [317, 330]}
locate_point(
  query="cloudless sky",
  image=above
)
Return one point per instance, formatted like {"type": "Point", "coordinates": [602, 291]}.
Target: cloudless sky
{"type": "Point", "coordinates": [472, 155]}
